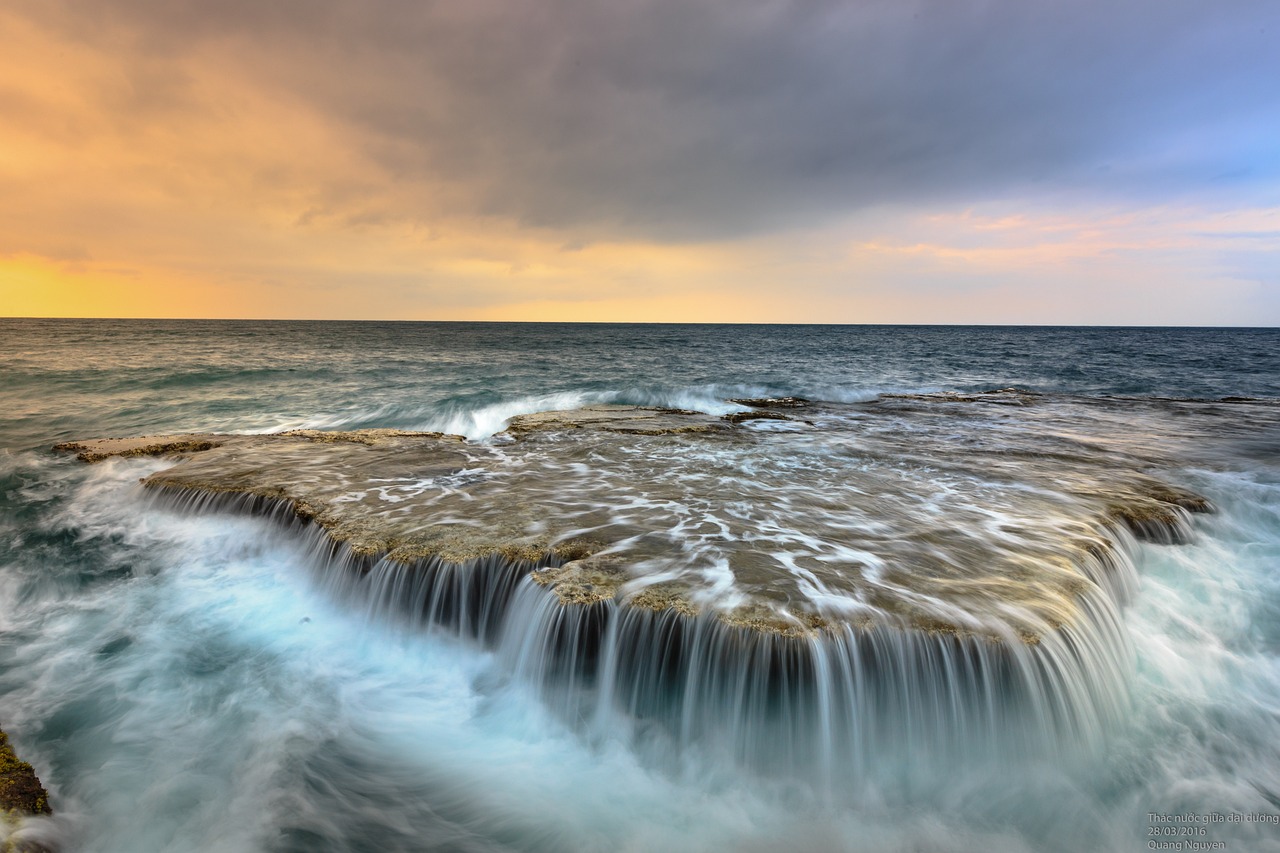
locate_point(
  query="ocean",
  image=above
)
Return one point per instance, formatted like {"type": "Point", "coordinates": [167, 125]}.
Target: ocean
{"type": "Point", "coordinates": [185, 677]}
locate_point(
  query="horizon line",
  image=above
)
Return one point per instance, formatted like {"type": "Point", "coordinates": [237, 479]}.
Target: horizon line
{"type": "Point", "coordinates": [632, 322]}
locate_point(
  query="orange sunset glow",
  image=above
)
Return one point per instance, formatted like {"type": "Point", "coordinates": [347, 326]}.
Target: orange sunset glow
{"type": "Point", "coordinates": [152, 166]}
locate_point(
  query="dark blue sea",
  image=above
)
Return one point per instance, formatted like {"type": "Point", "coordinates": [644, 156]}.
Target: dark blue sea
{"type": "Point", "coordinates": [181, 683]}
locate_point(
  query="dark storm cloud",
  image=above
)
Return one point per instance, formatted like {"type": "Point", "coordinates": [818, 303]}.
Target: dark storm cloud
{"type": "Point", "coordinates": [693, 119]}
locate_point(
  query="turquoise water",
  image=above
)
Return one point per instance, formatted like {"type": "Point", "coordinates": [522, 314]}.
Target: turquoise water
{"type": "Point", "coordinates": [182, 683]}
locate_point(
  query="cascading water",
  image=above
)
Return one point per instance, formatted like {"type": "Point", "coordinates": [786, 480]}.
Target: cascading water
{"type": "Point", "coordinates": [834, 708]}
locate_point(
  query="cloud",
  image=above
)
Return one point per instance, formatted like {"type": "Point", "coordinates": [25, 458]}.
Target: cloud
{"type": "Point", "coordinates": [948, 161]}
{"type": "Point", "coordinates": [684, 120]}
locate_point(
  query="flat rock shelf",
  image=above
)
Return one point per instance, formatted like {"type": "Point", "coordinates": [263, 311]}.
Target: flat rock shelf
{"type": "Point", "coordinates": [943, 572]}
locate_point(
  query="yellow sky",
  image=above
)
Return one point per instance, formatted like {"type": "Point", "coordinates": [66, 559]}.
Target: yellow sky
{"type": "Point", "coordinates": [182, 186]}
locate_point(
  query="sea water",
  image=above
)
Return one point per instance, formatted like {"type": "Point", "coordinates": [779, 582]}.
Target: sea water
{"type": "Point", "coordinates": [182, 681]}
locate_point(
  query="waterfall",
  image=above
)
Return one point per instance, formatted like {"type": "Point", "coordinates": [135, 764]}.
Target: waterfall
{"type": "Point", "coordinates": [839, 705]}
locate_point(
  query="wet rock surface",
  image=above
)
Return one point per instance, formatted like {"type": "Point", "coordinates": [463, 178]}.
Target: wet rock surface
{"type": "Point", "coordinates": [939, 513]}
{"type": "Point", "coordinates": [633, 420]}
{"type": "Point", "coordinates": [20, 790]}
{"type": "Point", "coordinates": [22, 796]}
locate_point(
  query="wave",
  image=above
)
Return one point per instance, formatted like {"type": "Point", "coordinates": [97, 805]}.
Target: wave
{"type": "Point", "coordinates": [481, 416]}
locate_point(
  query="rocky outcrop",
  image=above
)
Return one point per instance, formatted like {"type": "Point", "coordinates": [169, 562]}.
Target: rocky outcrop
{"type": "Point", "coordinates": [669, 510]}
{"type": "Point", "coordinates": [772, 402]}
{"type": "Point", "coordinates": [921, 570]}
{"type": "Point", "coordinates": [22, 796]}
{"type": "Point", "coordinates": [632, 420]}
{"type": "Point", "coordinates": [101, 449]}
{"type": "Point", "coordinates": [20, 790]}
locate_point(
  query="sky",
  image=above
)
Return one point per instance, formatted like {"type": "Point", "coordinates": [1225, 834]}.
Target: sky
{"type": "Point", "coordinates": [904, 161]}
